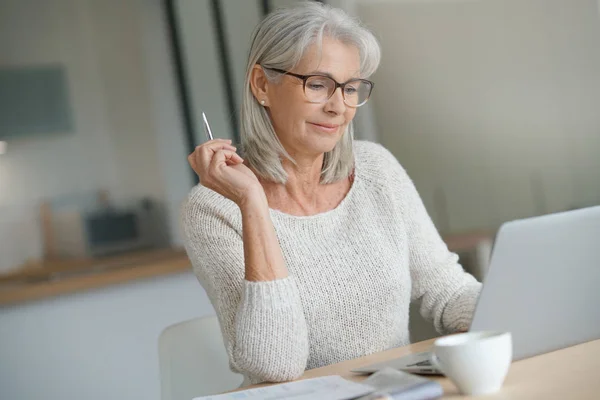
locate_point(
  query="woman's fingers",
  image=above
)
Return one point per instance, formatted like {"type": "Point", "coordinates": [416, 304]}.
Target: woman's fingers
{"type": "Point", "coordinates": [214, 145]}
{"type": "Point", "coordinates": [203, 153]}
{"type": "Point", "coordinates": [224, 156]}
{"type": "Point", "coordinates": [221, 169]}
{"type": "Point", "coordinates": [209, 158]}
{"type": "Point", "coordinates": [216, 141]}
{"type": "Point", "coordinates": [236, 159]}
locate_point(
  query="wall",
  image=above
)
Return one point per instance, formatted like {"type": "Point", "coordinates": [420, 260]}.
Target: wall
{"type": "Point", "coordinates": [240, 20]}
{"type": "Point", "coordinates": [491, 105]}
{"type": "Point", "coordinates": [124, 105]}
{"type": "Point", "coordinates": [202, 67]}
{"type": "Point", "coordinates": [54, 32]}
{"type": "Point", "coordinates": [98, 345]}
{"type": "Point", "coordinates": [166, 112]}
{"type": "Point", "coordinates": [103, 343]}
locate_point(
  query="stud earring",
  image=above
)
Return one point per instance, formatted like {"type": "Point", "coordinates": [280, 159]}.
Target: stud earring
{"type": "Point", "coordinates": [262, 102]}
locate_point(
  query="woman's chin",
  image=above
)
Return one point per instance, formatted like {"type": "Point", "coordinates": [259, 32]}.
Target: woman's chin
{"type": "Point", "coordinates": [326, 145]}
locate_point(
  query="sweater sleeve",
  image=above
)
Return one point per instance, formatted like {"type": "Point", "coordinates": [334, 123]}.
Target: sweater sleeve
{"type": "Point", "coordinates": [262, 323]}
{"type": "Point", "coordinates": [447, 293]}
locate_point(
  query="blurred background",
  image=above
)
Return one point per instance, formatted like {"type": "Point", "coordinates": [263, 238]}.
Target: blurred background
{"type": "Point", "coordinates": [490, 105]}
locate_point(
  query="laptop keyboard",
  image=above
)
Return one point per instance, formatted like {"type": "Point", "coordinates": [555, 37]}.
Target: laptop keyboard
{"type": "Point", "coordinates": [424, 363]}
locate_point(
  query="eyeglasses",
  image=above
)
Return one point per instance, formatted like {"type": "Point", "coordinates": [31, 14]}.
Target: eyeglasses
{"type": "Point", "coordinates": [320, 88]}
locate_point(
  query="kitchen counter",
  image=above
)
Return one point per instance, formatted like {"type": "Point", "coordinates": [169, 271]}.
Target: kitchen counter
{"type": "Point", "coordinates": [69, 276]}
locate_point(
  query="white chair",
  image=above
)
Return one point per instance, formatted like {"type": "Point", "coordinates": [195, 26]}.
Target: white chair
{"type": "Point", "coordinates": [193, 360]}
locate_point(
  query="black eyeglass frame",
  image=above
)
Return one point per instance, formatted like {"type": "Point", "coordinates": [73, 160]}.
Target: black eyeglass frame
{"type": "Point", "coordinates": [304, 78]}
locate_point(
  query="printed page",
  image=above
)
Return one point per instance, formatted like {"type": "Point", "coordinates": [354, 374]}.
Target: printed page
{"type": "Point", "coordinates": [324, 388]}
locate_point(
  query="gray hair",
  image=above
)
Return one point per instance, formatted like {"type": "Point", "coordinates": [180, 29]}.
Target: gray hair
{"type": "Point", "coordinates": [280, 41]}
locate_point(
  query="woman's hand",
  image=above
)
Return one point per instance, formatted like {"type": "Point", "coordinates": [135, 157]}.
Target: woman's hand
{"type": "Point", "coordinates": [221, 169]}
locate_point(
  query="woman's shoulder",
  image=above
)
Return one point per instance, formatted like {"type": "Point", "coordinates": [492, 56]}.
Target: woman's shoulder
{"type": "Point", "coordinates": [377, 163]}
{"type": "Point", "coordinates": [205, 210]}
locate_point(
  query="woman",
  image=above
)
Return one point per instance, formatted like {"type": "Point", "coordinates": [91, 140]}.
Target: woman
{"type": "Point", "coordinates": [312, 247]}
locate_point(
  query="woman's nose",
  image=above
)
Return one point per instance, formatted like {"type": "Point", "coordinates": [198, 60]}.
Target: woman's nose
{"type": "Point", "coordinates": [336, 102]}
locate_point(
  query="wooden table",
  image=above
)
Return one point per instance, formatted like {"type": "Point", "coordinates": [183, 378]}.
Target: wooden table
{"type": "Point", "coordinates": [572, 373]}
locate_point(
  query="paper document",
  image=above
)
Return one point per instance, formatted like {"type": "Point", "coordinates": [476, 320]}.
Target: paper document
{"type": "Point", "coordinates": [391, 384]}
{"type": "Point", "coordinates": [324, 388]}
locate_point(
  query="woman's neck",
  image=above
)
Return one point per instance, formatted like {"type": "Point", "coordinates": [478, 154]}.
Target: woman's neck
{"type": "Point", "coordinates": [303, 183]}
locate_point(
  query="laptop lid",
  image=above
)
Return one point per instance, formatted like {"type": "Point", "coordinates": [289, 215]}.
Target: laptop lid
{"type": "Point", "coordinates": [543, 283]}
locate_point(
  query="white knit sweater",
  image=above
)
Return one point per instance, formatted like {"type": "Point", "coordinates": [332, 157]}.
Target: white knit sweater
{"type": "Point", "coordinates": [352, 273]}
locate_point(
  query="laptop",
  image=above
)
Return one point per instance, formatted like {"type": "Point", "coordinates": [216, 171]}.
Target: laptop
{"type": "Point", "coordinates": [543, 285]}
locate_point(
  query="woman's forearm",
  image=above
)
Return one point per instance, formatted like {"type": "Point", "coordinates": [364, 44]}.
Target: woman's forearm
{"type": "Point", "coordinates": [270, 303]}
{"type": "Point", "coordinates": [262, 254]}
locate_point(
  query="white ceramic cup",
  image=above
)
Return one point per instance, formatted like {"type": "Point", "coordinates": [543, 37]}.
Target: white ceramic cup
{"type": "Point", "coordinates": [476, 362]}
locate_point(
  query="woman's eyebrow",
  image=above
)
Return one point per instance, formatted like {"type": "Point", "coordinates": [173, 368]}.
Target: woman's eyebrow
{"type": "Point", "coordinates": [329, 75]}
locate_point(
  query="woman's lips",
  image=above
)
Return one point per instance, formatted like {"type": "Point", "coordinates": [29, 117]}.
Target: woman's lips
{"type": "Point", "coordinates": [327, 128]}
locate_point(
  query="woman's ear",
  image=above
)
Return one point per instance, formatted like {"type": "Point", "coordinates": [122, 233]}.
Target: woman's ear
{"type": "Point", "coordinates": [259, 85]}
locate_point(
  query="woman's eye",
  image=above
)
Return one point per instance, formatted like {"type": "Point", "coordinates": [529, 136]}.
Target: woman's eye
{"type": "Point", "coordinates": [316, 86]}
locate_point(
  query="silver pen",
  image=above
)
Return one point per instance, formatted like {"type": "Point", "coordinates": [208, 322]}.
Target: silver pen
{"type": "Point", "coordinates": [207, 127]}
